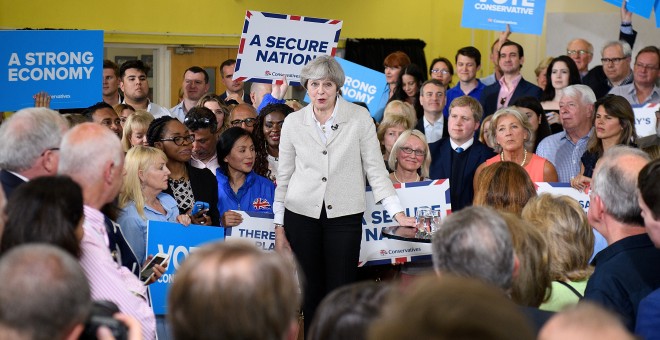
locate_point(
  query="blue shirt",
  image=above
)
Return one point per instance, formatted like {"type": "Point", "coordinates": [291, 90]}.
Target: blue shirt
{"type": "Point", "coordinates": [648, 317]}
{"type": "Point", "coordinates": [257, 194]}
{"type": "Point", "coordinates": [626, 272]}
{"type": "Point", "coordinates": [565, 155]}
{"type": "Point", "coordinates": [384, 98]}
{"type": "Point", "coordinates": [456, 92]}
{"type": "Point", "coordinates": [135, 227]}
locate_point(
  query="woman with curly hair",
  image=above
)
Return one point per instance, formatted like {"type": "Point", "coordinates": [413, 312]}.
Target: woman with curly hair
{"type": "Point", "coordinates": [267, 139]}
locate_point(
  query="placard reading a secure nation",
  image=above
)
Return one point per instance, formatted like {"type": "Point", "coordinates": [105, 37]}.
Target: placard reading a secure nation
{"type": "Point", "coordinates": [276, 45]}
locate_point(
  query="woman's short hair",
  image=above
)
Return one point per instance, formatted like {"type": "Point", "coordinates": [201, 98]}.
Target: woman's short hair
{"type": "Point", "coordinates": [532, 103]}
{"type": "Point", "coordinates": [504, 186]}
{"type": "Point", "coordinates": [138, 158]}
{"type": "Point", "coordinates": [226, 143]}
{"type": "Point", "coordinates": [139, 120]}
{"type": "Point", "coordinates": [619, 107]}
{"type": "Point", "coordinates": [567, 232]}
{"type": "Point", "coordinates": [390, 122]}
{"type": "Point", "coordinates": [482, 131]}
{"type": "Point", "coordinates": [348, 311]}
{"type": "Point", "coordinates": [542, 65]}
{"type": "Point", "coordinates": [401, 108]}
{"type": "Point", "coordinates": [520, 117]}
{"type": "Point", "coordinates": [119, 108]}
{"type": "Point", "coordinates": [44, 210]}
{"type": "Point", "coordinates": [396, 59]}
{"type": "Point", "coordinates": [223, 107]}
{"type": "Point", "coordinates": [533, 284]}
{"type": "Point", "coordinates": [444, 60]}
{"type": "Point", "coordinates": [323, 67]}
{"type": "Point", "coordinates": [403, 138]}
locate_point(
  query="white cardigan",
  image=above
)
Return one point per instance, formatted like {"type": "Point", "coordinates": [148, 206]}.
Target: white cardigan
{"type": "Point", "coordinates": [311, 172]}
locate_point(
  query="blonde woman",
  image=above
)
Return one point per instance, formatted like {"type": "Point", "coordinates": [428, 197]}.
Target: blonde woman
{"type": "Point", "coordinates": [400, 108]}
{"type": "Point", "coordinates": [570, 243]}
{"type": "Point", "coordinates": [410, 158]}
{"type": "Point", "coordinates": [141, 198]}
{"type": "Point", "coordinates": [135, 130]}
{"type": "Point", "coordinates": [388, 132]}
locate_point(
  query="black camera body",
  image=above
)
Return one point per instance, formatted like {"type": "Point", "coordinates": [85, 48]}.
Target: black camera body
{"type": "Point", "coordinates": [101, 315]}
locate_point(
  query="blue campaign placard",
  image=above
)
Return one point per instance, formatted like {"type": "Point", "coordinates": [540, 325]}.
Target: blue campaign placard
{"type": "Point", "coordinates": [642, 8]}
{"type": "Point", "coordinates": [657, 13]}
{"type": "Point", "coordinates": [66, 64]}
{"type": "Point", "coordinates": [178, 242]}
{"type": "Point", "coordinates": [362, 84]}
{"type": "Point", "coordinates": [523, 16]}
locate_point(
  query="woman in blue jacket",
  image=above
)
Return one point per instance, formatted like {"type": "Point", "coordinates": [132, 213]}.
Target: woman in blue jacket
{"type": "Point", "coordinates": [239, 187]}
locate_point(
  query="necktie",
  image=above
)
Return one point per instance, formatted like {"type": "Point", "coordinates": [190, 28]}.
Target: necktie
{"type": "Point", "coordinates": [459, 149]}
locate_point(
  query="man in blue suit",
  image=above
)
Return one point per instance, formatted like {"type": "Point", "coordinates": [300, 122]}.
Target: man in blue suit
{"type": "Point", "coordinates": [458, 156]}
{"type": "Point", "coordinates": [512, 85]}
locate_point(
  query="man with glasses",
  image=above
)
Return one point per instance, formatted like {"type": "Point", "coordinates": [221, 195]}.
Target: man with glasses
{"type": "Point", "coordinates": [432, 98]}
{"type": "Point", "coordinates": [244, 116]}
{"type": "Point", "coordinates": [30, 146]}
{"type": "Point", "coordinates": [614, 71]}
{"type": "Point", "coordinates": [102, 113]}
{"type": "Point", "coordinates": [512, 85]}
{"type": "Point", "coordinates": [202, 124]}
{"type": "Point", "coordinates": [195, 85]}
{"type": "Point", "coordinates": [644, 88]}
{"type": "Point", "coordinates": [582, 52]}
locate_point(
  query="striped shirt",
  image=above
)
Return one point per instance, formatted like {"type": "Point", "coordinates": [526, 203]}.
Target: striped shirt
{"type": "Point", "coordinates": [110, 281]}
{"type": "Point", "coordinates": [563, 153]}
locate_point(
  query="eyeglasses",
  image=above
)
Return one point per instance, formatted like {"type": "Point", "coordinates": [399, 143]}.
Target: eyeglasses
{"type": "Point", "coordinates": [579, 52]}
{"type": "Point", "coordinates": [646, 67]}
{"type": "Point", "coordinates": [196, 120]}
{"type": "Point", "coordinates": [408, 151]}
{"type": "Point", "coordinates": [249, 122]}
{"type": "Point", "coordinates": [612, 60]}
{"type": "Point", "coordinates": [437, 70]}
{"type": "Point", "coordinates": [180, 140]}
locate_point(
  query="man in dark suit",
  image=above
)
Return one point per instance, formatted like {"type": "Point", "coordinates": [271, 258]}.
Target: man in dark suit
{"type": "Point", "coordinates": [432, 98]}
{"type": "Point", "coordinates": [30, 146]}
{"type": "Point", "coordinates": [458, 156]}
{"type": "Point", "coordinates": [512, 85]}
{"type": "Point", "coordinates": [235, 88]}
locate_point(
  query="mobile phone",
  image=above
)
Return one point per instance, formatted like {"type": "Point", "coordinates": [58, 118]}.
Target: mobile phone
{"type": "Point", "coordinates": [199, 206]}
{"type": "Point", "coordinates": [148, 270]}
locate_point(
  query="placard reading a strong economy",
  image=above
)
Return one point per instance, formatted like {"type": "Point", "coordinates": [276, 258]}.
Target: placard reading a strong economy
{"type": "Point", "coordinates": [276, 45]}
{"type": "Point", "coordinates": [523, 16]}
{"type": "Point", "coordinates": [68, 65]}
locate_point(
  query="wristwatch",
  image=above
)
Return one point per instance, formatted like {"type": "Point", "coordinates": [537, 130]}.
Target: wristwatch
{"type": "Point", "coordinates": [277, 225]}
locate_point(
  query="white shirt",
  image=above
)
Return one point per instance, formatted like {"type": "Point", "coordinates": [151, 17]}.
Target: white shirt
{"type": "Point", "coordinates": [433, 131]}
{"type": "Point", "coordinates": [465, 145]}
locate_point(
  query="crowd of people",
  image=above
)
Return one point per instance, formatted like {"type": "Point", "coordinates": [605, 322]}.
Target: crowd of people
{"type": "Point", "coordinates": [506, 264]}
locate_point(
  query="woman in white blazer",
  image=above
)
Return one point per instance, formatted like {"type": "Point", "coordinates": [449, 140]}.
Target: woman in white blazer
{"type": "Point", "coordinates": [326, 149]}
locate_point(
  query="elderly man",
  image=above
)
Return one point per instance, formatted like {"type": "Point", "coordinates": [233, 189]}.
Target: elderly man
{"type": "Point", "coordinates": [581, 51]}
{"type": "Point", "coordinates": [644, 88]}
{"type": "Point", "coordinates": [202, 124]}
{"type": "Point", "coordinates": [243, 115]}
{"type": "Point", "coordinates": [44, 294]}
{"type": "Point", "coordinates": [30, 146]}
{"type": "Point", "coordinates": [235, 88]}
{"type": "Point", "coordinates": [110, 92]}
{"type": "Point", "coordinates": [102, 113]}
{"type": "Point", "coordinates": [432, 98]}
{"type": "Point", "coordinates": [195, 85]}
{"type": "Point", "coordinates": [481, 235]}
{"type": "Point", "coordinates": [232, 290]}
{"type": "Point", "coordinates": [564, 149]}
{"type": "Point", "coordinates": [626, 269]}
{"type": "Point", "coordinates": [93, 157]}
{"type": "Point", "coordinates": [134, 84]}
{"type": "Point", "coordinates": [615, 71]}
{"type": "Point", "coordinates": [511, 85]}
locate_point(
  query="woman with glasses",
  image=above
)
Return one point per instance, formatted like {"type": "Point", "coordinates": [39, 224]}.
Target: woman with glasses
{"type": "Point", "coordinates": [326, 151]}
{"type": "Point", "coordinates": [442, 70]}
{"type": "Point", "coordinates": [218, 108]}
{"type": "Point", "coordinates": [614, 125]}
{"type": "Point", "coordinates": [142, 199]}
{"type": "Point", "coordinates": [561, 72]}
{"type": "Point", "coordinates": [239, 186]}
{"type": "Point", "coordinates": [186, 183]}
{"type": "Point", "coordinates": [410, 158]}
{"type": "Point", "coordinates": [267, 134]}
{"type": "Point", "coordinates": [511, 134]}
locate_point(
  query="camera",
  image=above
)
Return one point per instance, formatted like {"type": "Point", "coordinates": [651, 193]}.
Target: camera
{"type": "Point", "coordinates": [101, 315]}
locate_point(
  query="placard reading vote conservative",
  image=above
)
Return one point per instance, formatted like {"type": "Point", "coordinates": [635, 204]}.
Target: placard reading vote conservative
{"type": "Point", "coordinates": [362, 84]}
{"type": "Point", "coordinates": [642, 8]}
{"type": "Point", "coordinates": [68, 65]}
{"type": "Point", "coordinates": [178, 242]}
{"type": "Point", "coordinates": [523, 16]}
{"type": "Point", "coordinates": [276, 45]}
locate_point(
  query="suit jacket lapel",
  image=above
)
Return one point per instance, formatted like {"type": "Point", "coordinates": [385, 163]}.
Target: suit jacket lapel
{"type": "Point", "coordinates": [340, 118]}
{"type": "Point", "coordinates": [310, 124]}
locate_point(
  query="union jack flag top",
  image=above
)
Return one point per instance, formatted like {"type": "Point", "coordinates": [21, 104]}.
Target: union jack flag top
{"type": "Point", "coordinates": [260, 204]}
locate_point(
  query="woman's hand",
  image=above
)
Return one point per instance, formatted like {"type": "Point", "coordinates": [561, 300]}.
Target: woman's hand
{"type": "Point", "coordinates": [403, 220]}
{"type": "Point", "coordinates": [231, 219]}
{"type": "Point", "coordinates": [279, 90]}
{"type": "Point", "coordinates": [580, 182]}
{"type": "Point", "coordinates": [281, 243]}
{"type": "Point", "coordinates": [200, 218]}
{"type": "Point", "coordinates": [41, 99]}
{"type": "Point", "coordinates": [184, 219]}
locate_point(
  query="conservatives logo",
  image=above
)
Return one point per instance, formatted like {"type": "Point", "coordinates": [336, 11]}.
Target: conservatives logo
{"type": "Point", "coordinates": [267, 73]}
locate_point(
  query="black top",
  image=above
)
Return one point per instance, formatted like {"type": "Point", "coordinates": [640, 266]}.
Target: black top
{"type": "Point", "coordinates": [205, 189]}
{"type": "Point", "coordinates": [9, 182]}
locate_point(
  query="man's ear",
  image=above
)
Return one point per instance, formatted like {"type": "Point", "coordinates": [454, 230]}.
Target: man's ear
{"type": "Point", "coordinates": [49, 162]}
